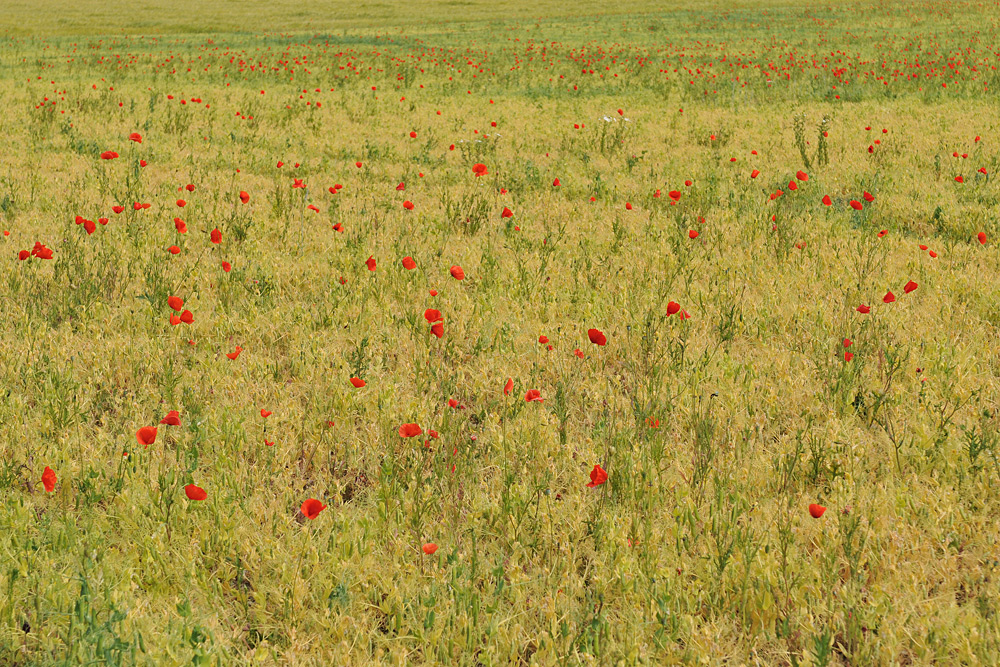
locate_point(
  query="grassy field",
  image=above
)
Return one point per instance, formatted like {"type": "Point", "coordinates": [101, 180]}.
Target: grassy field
{"type": "Point", "coordinates": [740, 258]}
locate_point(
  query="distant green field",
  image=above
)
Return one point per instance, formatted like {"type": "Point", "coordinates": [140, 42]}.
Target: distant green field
{"type": "Point", "coordinates": [149, 17]}
{"type": "Point", "coordinates": [499, 334]}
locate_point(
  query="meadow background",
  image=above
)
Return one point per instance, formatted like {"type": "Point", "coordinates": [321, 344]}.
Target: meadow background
{"type": "Point", "coordinates": [724, 403]}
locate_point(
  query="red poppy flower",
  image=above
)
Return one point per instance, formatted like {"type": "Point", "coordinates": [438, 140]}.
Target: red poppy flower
{"type": "Point", "coordinates": [430, 548]}
{"type": "Point", "coordinates": [479, 169]}
{"type": "Point", "coordinates": [187, 317]}
{"type": "Point", "coordinates": [869, 197]}
{"type": "Point", "coordinates": [802, 176]}
{"type": "Point", "coordinates": [408, 205]}
{"type": "Point", "coordinates": [195, 492]}
{"type": "Point", "coordinates": [357, 382]}
{"type": "Point", "coordinates": [370, 263]}
{"type": "Point", "coordinates": [117, 209]}
{"type": "Point", "coordinates": [692, 234]}
{"type": "Point", "coordinates": [136, 137]}
{"type": "Point", "coordinates": [226, 266]}
{"type": "Point", "coordinates": [437, 329]}
{"type": "Point", "coordinates": [432, 315]}
{"type": "Point", "coordinates": [109, 155]}
{"type": "Point", "coordinates": [848, 356]}
{"type": "Point", "coordinates": [533, 396]}
{"type": "Point", "coordinates": [889, 297]}
{"type": "Point", "coordinates": [596, 337]}
{"type": "Point", "coordinates": [675, 195]}
{"type": "Point", "coordinates": [507, 387]}
{"type": "Point", "coordinates": [265, 413]}
{"type": "Point", "coordinates": [816, 511]}
{"type": "Point", "coordinates": [856, 205]}
{"type": "Point", "coordinates": [863, 309]}
{"type": "Point", "coordinates": [173, 418]}
{"type": "Point", "coordinates": [216, 236]}
{"type": "Point", "coordinates": [244, 197]}
{"type": "Point", "coordinates": [507, 213]}
{"type": "Point", "coordinates": [457, 273]}
{"type": "Point", "coordinates": [910, 286]}
{"type": "Point", "coordinates": [982, 238]}
{"type": "Point", "coordinates": [556, 183]}
{"type": "Point", "coordinates": [672, 307]}
{"type": "Point", "coordinates": [180, 226]}
{"type": "Point", "coordinates": [175, 302]}
{"type": "Point", "coordinates": [410, 430]}
{"type": "Point", "coordinates": [40, 251]}
{"type": "Point", "coordinates": [311, 508]}
{"type": "Point", "coordinates": [543, 339]}
{"type": "Point", "coordinates": [400, 187]}
{"type": "Point", "coordinates": [146, 435]}
{"type": "Point", "coordinates": [181, 203]}
{"type": "Point", "coordinates": [754, 174]}
{"type": "Point", "coordinates": [49, 479]}
{"type": "Point", "coordinates": [408, 263]}
{"type": "Point", "coordinates": [235, 353]}
{"type": "Point", "coordinates": [597, 476]}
